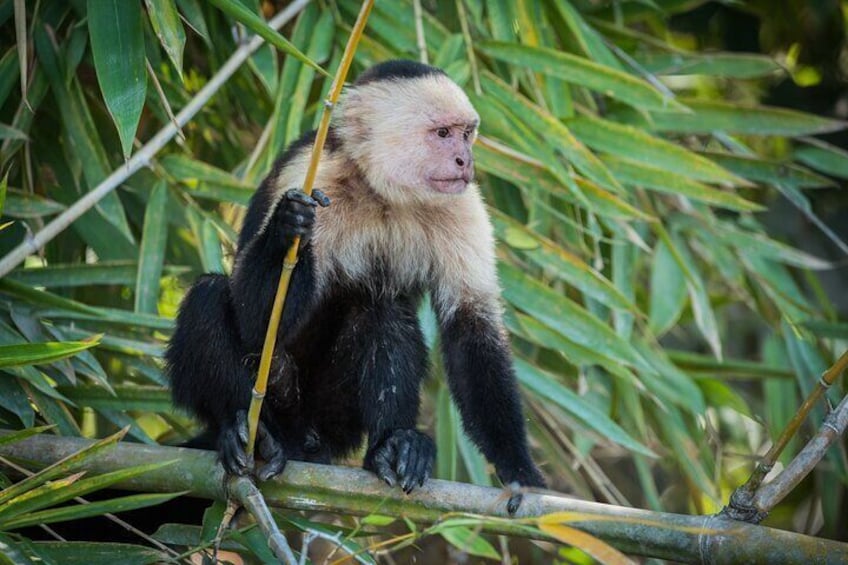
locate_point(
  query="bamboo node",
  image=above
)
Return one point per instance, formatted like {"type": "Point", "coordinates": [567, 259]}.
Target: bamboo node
{"type": "Point", "coordinates": [257, 395]}
{"type": "Point", "coordinates": [328, 104]}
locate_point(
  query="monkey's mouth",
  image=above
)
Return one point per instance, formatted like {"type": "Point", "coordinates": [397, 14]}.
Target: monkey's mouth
{"type": "Point", "coordinates": [453, 185]}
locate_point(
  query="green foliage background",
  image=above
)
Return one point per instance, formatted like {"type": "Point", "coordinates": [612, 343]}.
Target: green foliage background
{"type": "Point", "coordinates": [662, 332]}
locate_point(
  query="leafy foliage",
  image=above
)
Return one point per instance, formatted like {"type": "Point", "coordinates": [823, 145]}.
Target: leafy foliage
{"type": "Point", "coordinates": [658, 326]}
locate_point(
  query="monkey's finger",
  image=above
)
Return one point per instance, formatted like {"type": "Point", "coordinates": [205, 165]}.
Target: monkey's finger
{"type": "Point", "coordinates": [424, 467]}
{"type": "Point", "coordinates": [242, 427]}
{"type": "Point", "coordinates": [297, 195]}
{"type": "Point", "coordinates": [273, 466]}
{"type": "Point", "coordinates": [409, 479]}
{"type": "Point", "coordinates": [322, 199]}
{"type": "Point", "coordinates": [403, 458]}
{"type": "Point", "coordinates": [232, 454]}
{"type": "Point", "coordinates": [383, 465]}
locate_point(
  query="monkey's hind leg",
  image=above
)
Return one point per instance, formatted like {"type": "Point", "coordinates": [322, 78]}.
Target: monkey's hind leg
{"type": "Point", "coordinates": [212, 377]}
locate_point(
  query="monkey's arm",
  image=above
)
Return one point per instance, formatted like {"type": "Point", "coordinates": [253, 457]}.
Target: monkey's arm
{"type": "Point", "coordinates": [259, 262]}
{"type": "Point", "coordinates": [483, 385]}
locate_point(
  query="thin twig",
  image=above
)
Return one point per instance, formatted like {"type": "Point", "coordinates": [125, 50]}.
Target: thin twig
{"type": "Point", "coordinates": [741, 505]}
{"type": "Point", "coordinates": [771, 493]}
{"type": "Point", "coordinates": [469, 47]}
{"type": "Point", "coordinates": [164, 99]}
{"type": "Point", "coordinates": [419, 32]}
{"type": "Point", "coordinates": [146, 153]}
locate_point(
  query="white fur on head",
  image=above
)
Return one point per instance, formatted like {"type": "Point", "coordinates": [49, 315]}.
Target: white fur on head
{"type": "Point", "coordinates": [383, 124]}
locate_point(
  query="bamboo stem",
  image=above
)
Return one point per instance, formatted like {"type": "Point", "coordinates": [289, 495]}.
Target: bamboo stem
{"type": "Point", "coordinates": [142, 158]}
{"type": "Point", "coordinates": [741, 505]}
{"type": "Point", "coordinates": [290, 260]}
{"type": "Point", "coordinates": [350, 491]}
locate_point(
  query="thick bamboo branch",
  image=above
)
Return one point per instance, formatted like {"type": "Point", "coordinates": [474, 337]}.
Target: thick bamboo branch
{"type": "Point", "coordinates": [145, 154]}
{"type": "Point", "coordinates": [304, 486]}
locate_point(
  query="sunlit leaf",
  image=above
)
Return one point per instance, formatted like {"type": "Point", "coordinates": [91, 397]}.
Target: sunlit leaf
{"type": "Point", "coordinates": [469, 541]}
{"type": "Point", "coordinates": [37, 353]}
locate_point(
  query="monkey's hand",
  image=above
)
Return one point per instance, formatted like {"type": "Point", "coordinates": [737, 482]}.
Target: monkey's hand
{"type": "Point", "coordinates": [518, 480]}
{"type": "Point", "coordinates": [404, 457]}
{"type": "Point", "coordinates": [295, 213]}
{"type": "Point", "coordinates": [233, 441]}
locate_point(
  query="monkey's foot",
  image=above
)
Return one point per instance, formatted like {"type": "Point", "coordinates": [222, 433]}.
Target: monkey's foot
{"type": "Point", "coordinates": [405, 457]}
{"type": "Point", "coordinates": [231, 450]}
{"type": "Point", "coordinates": [515, 488]}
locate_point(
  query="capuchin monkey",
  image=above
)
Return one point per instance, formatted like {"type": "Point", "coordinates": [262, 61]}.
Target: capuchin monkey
{"type": "Point", "coordinates": [405, 220]}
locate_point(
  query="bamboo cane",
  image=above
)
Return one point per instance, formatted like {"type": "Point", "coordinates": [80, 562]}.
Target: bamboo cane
{"type": "Point", "coordinates": [290, 260]}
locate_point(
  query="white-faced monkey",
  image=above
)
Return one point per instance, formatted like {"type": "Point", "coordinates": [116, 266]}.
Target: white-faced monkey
{"type": "Point", "coordinates": [405, 219]}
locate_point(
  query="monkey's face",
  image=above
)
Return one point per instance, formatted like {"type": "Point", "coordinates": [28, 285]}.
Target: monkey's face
{"type": "Point", "coordinates": [448, 158]}
{"type": "Point", "coordinates": [411, 138]}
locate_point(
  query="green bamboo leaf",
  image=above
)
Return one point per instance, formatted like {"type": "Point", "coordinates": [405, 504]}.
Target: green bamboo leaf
{"type": "Point", "coordinates": [652, 178]}
{"type": "Point", "coordinates": [561, 314]}
{"type": "Point", "coordinates": [191, 171]}
{"type": "Point", "coordinates": [100, 553]}
{"type": "Point", "coordinates": [78, 512]}
{"type": "Point", "coordinates": [9, 73]}
{"type": "Point", "coordinates": [13, 398]}
{"type": "Point", "coordinates": [668, 290]}
{"type": "Point", "coordinates": [695, 363]}
{"type": "Point", "coordinates": [257, 25]}
{"type": "Point", "coordinates": [61, 467]}
{"type": "Point", "coordinates": [521, 173]}
{"type": "Point", "coordinates": [771, 172]}
{"type": "Point", "coordinates": [57, 492]}
{"type": "Point", "coordinates": [547, 387]}
{"type": "Point", "coordinates": [564, 264]}
{"type": "Point", "coordinates": [758, 243]}
{"type": "Point", "coordinates": [69, 275]}
{"type": "Point", "coordinates": [166, 24]}
{"type": "Point", "coordinates": [4, 191]}
{"type": "Point", "coordinates": [20, 204]}
{"type": "Point", "coordinates": [152, 253]}
{"type": "Point", "coordinates": [823, 157]}
{"type": "Point", "coordinates": [552, 130]}
{"type": "Point", "coordinates": [40, 353]}
{"type": "Point", "coordinates": [534, 331]}
{"type": "Point", "coordinates": [726, 65]}
{"type": "Point", "coordinates": [699, 299]}
{"type": "Point", "coordinates": [8, 132]}
{"type": "Point", "coordinates": [135, 397]}
{"type": "Point", "coordinates": [43, 298]}
{"type": "Point", "coordinates": [632, 143]}
{"type": "Point", "coordinates": [22, 435]}
{"type": "Point", "coordinates": [106, 227]}
{"type": "Point", "coordinates": [447, 430]}
{"type": "Point", "coordinates": [718, 393]}
{"type": "Point", "coordinates": [475, 464]}
{"type": "Point", "coordinates": [582, 72]}
{"type": "Point", "coordinates": [193, 18]}
{"type": "Point", "coordinates": [590, 41]}
{"type": "Point", "coordinates": [469, 541]}
{"type": "Point", "coordinates": [713, 115]}
{"type": "Point", "coordinates": [117, 46]}
{"type": "Point", "coordinates": [686, 452]}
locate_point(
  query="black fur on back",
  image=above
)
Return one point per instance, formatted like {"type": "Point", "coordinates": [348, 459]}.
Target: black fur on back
{"type": "Point", "coordinates": [397, 69]}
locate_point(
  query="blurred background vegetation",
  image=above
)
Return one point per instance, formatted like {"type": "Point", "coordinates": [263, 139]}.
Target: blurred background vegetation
{"type": "Point", "coordinates": [666, 179]}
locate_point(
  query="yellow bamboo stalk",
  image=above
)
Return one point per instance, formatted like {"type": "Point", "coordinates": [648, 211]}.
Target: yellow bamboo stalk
{"type": "Point", "coordinates": [291, 257]}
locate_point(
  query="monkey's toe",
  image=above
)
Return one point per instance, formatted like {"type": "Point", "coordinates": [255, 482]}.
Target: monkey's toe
{"type": "Point", "coordinates": [515, 498]}
{"type": "Point", "coordinates": [405, 457]}
{"type": "Point", "coordinates": [231, 451]}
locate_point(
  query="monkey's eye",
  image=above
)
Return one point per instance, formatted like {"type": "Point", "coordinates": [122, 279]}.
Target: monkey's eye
{"type": "Point", "coordinates": [442, 132]}
{"type": "Point", "coordinates": [466, 134]}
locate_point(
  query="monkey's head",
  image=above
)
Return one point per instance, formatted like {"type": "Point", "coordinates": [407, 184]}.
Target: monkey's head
{"type": "Point", "coordinates": [410, 128]}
